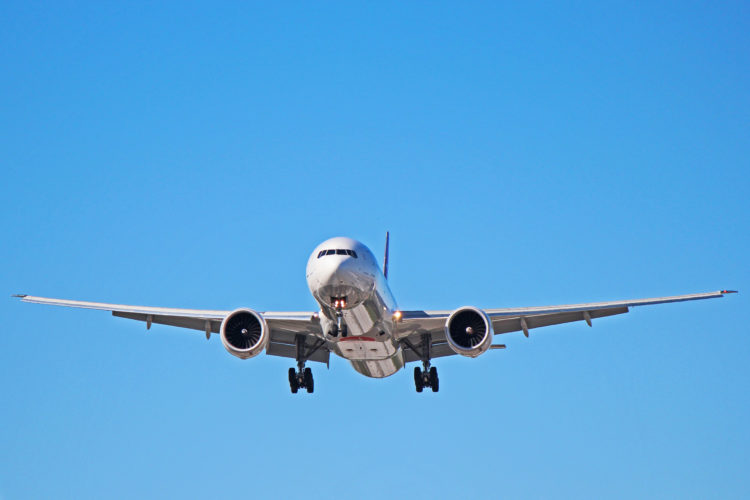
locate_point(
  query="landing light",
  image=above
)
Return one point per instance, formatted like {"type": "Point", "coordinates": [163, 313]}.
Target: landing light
{"type": "Point", "coordinates": [397, 315]}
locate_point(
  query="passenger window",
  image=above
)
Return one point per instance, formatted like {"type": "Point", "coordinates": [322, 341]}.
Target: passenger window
{"type": "Point", "coordinates": [321, 253]}
{"type": "Point", "coordinates": [330, 252]}
{"type": "Point", "coordinates": [341, 252]}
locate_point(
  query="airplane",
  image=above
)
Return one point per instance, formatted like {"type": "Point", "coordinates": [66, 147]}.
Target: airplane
{"type": "Point", "coordinates": [359, 321]}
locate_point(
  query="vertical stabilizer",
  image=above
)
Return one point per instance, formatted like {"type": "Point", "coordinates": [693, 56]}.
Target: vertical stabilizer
{"type": "Point", "coordinates": [385, 259]}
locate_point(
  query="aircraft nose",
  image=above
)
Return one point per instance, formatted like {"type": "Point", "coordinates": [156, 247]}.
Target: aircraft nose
{"type": "Point", "coordinates": [339, 276]}
{"type": "Point", "coordinates": [335, 272]}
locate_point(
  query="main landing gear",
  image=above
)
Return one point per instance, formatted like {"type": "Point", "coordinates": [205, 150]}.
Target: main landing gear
{"type": "Point", "coordinates": [427, 377]}
{"type": "Point", "coordinates": [302, 378]}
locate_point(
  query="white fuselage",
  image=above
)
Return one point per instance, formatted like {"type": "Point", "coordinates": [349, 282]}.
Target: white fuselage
{"type": "Point", "coordinates": [345, 279]}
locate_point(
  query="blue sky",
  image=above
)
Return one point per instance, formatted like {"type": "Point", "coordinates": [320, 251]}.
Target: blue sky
{"type": "Point", "coordinates": [189, 154]}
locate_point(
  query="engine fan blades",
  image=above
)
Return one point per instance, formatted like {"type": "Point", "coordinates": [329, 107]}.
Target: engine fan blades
{"type": "Point", "coordinates": [243, 332]}
{"type": "Point", "coordinates": [468, 329]}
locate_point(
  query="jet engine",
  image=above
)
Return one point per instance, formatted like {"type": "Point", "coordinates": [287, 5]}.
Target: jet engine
{"type": "Point", "coordinates": [469, 331]}
{"type": "Point", "coordinates": [244, 333]}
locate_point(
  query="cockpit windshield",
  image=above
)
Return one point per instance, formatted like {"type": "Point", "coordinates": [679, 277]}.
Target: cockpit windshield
{"type": "Point", "coordinates": [338, 251]}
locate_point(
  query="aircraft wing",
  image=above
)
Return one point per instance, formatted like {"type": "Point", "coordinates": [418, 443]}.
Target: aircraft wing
{"type": "Point", "coordinates": [283, 326]}
{"type": "Point", "coordinates": [414, 324]}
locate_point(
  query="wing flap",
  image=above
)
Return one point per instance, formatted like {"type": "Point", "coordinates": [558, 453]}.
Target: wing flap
{"type": "Point", "coordinates": [320, 355]}
{"type": "Point", "coordinates": [178, 321]}
{"type": "Point", "coordinates": [506, 325]}
{"type": "Point", "coordinates": [283, 333]}
{"type": "Point", "coordinates": [437, 350]}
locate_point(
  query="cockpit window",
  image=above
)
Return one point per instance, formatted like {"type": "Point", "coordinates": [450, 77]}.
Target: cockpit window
{"type": "Point", "coordinates": [338, 251]}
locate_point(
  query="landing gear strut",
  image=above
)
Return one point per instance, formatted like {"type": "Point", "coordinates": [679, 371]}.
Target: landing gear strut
{"type": "Point", "coordinates": [302, 378]}
{"type": "Point", "coordinates": [427, 377]}
{"type": "Point", "coordinates": [340, 327]}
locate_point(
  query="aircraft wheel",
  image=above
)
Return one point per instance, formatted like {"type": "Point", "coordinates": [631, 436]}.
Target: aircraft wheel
{"type": "Point", "coordinates": [418, 382]}
{"type": "Point", "coordinates": [434, 381]}
{"type": "Point", "coordinates": [293, 383]}
{"type": "Point", "coordinates": [309, 382]}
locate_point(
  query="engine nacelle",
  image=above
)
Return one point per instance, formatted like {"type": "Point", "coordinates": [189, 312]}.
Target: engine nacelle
{"type": "Point", "coordinates": [244, 333]}
{"type": "Point", "coordinates": [469, 331]}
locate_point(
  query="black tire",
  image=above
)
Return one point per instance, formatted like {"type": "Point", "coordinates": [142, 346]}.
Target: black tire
{"type": "Point", "coordinates": [293, 384]}
{"type": "Point", "coordinates": [344, 331]}
{"type": "Point", "coordinates": [418, 382]}
{"type": "Point", "coordinates": [434, 381]}
{"type": "Point", "coordinates": [335, 331]}
{"type": "Point", "coordinates": [309, 382]}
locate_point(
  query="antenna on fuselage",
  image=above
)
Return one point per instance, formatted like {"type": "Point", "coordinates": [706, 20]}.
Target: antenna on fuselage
{"type": "Point", "coordinates": [385, 259]}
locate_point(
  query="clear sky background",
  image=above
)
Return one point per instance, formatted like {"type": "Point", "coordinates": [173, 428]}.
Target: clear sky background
{"type": "Point", "coordinates": [190, 154]}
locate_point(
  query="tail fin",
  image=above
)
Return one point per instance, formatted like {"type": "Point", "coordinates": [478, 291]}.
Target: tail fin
{"type": "Point", "coordinates": [385, 260]}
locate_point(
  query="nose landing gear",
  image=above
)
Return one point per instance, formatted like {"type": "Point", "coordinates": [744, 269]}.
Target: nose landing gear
{"type": "Point", "coordinates": [340, 327]}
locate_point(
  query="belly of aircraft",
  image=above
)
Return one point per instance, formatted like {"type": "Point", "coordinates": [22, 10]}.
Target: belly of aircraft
{"type": "Point", "coordinates": [370, 357]}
